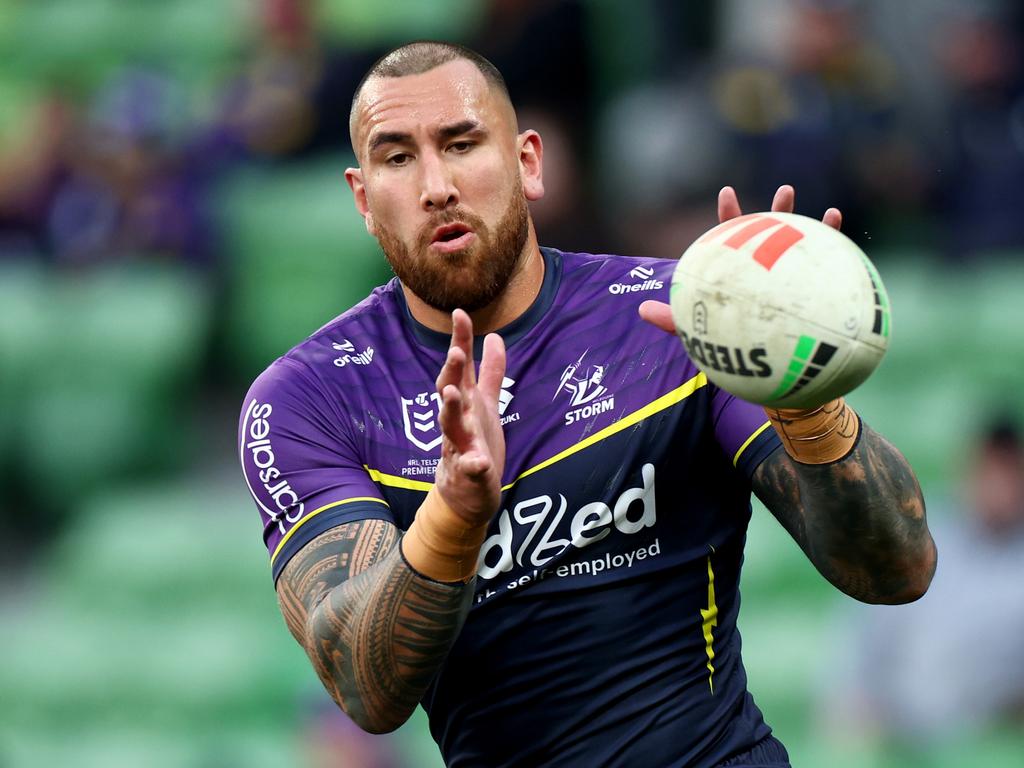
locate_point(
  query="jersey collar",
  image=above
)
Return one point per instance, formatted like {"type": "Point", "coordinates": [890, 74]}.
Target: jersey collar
{"type": "Point", "coordinates": [510, 333]}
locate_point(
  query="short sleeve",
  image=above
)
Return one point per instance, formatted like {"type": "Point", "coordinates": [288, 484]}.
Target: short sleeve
{"type": "Point", "coordinates": [301, 467]}
{"type": "Point", "coordinates": [743, 431]}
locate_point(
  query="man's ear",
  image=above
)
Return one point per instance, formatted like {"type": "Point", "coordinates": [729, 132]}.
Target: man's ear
{"type": "Point", "coordinates": [354, 177]}
{"type": "Point", "coordinates": [531, 164]}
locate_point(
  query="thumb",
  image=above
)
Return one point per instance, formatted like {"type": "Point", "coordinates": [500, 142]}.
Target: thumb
{"type": "Point", "coordinates": [659, 314]}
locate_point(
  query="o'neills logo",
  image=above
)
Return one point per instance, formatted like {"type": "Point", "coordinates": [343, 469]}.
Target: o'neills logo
{"type": "Point", "coordinates": [734, 360]}
{"type": "Point", "coordinates": [532, 533]}
{"type": "Point", "coordinates": [646, 285]}
{"type": "Point", "coordinates": [256, 441]}
{"type": "Point", "coordinates": [639, 273]}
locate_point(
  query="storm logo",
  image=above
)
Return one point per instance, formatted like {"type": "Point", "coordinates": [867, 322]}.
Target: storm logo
{"type": "Point", "coordinates": [586, 392]}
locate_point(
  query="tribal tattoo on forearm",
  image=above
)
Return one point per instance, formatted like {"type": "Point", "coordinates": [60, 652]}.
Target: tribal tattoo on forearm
{"type": "Point", "coordinates": [375, 630]}
{"type": "Point", "coordinates": [860, 520]}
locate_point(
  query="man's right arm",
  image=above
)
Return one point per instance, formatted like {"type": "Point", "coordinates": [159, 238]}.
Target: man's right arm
{"type": "Point", "coordinates": [376, 613]}
{"type": "Point", "coordinates": [375, 630]}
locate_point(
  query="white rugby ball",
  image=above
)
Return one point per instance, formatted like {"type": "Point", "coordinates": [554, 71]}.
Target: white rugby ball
{"type": "Point", "coordinates": [780, 309]}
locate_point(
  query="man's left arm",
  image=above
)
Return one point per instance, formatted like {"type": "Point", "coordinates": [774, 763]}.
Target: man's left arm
{"type": "Point", "coordinates": [860, 519]}
{"type": "Point", "coordinates": [858, 514]}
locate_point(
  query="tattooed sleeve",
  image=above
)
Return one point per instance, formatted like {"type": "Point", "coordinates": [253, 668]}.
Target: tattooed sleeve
{"type": "Point", "coordinates": [375, 630]}
{"type": "Point", "coordinates": [860, 520]}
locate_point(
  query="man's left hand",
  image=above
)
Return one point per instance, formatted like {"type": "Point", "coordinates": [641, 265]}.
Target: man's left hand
{"type": "Point", "coordinates": [660, 314]}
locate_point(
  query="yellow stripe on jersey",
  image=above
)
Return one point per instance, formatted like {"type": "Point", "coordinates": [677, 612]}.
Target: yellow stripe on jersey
{"type": "Point", "coordinates": [314, 513]}
{"type": "Point", "coordinates": [663, 402]}
{"type": "Point", "coordinates": [748, 441]}
{"type": "Point", "coordinates": [394, 481]}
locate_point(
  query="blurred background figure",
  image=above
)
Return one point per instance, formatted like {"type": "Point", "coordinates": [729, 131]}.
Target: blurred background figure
{"type": "Point", "coordinates": [331, 740]}
{"type": "Point", "coordinates": [173, 216]}
{"type": "Point", "coordinates": [291, 94]}
{"type": "Point", "coordinates": [950, 666]}
{"type": "Point", "coordinates": [981, 60]}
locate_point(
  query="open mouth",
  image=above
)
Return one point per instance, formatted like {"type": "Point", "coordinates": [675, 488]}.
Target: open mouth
{"type": "Point", "coordinates": [452, 237]}
{"type": "Point", "coordinates": [450, 232]}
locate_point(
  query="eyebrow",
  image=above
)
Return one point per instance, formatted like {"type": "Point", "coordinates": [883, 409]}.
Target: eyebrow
{"type": "Point", "coordinates": [444, 132]}
{"type": "Point", "coordinates": [389, 137]}
{"type": "Point", "coordinates": [460, 128]}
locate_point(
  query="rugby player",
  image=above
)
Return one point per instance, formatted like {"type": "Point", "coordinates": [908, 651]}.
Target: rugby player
{"type": "Point", "coordinates": [543, 550]}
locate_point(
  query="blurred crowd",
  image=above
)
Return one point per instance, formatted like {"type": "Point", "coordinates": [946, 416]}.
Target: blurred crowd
{"type": "Point", "coordinates": [908, 116]}
{"type": "Point", "coordinates": [920, 677]}
{"type": "Point", "coordinates": [124, 127]}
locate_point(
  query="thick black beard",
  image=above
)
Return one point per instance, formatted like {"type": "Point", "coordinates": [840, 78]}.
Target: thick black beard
{"type": "Point", "coordinates": [469, 280]}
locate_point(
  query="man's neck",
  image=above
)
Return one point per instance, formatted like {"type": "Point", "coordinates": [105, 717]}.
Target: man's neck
{"type": "Point", "coordinates": [517, 297]}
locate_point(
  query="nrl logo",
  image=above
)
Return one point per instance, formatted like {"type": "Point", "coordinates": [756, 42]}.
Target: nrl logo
{"type": "Point", "coordinates": [421, 416]}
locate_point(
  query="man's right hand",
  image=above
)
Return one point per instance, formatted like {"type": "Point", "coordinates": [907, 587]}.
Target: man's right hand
{"type": "Point", "coordinates": [473, 450]}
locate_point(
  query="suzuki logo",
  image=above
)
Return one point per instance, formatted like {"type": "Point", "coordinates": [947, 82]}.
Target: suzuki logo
{"type": "Point", "coordinates": [505, 396]}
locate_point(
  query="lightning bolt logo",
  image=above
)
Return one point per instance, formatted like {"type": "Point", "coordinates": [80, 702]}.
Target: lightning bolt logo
{"type": "Point", "coordinates": [709, 620]}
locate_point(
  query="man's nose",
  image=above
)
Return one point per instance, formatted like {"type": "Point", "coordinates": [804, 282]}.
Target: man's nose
{"type": "Point", "coordinates": [438, 191]}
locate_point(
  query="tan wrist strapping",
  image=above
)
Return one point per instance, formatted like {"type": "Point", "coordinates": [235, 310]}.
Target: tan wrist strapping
{"type": "Point", "coordinates": [441, 545]}
{"type": "Point", "coordinates": [817, 435]}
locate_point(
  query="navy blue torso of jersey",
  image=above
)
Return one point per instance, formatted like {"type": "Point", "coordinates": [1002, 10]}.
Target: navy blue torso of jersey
{"type": "Point", "coordinates": [603, 630]}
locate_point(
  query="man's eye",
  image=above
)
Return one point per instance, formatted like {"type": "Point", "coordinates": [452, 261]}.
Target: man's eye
{"type": "Point", "coordinates": [397, 159]}
{"type": "Point", "coordinates": [460, 146]}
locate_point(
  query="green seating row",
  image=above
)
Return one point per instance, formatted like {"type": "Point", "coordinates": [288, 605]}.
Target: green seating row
{"type": "Point", "coordinates": [298, 255]}
{"type": "Point", "coordinates": [99, 370]}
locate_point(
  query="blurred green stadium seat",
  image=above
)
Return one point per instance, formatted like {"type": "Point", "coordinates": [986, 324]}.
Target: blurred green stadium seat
{"type": "Point", "coordinates": [299, 255]}
{"type": "Point", "coordinates": [23, 317]}
{"type": "Point", "coordinates": [956, 355]}
{"type": "Point", "coordinates": [367, 24]}
{"type": "Point", "coordinates": [154, 626]}
{"type": "Point", "coordinates": [112, 375]}
{"type": "Point", "coordinates": [85, 40]}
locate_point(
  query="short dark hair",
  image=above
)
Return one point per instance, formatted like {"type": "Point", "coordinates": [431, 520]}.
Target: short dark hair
{"type": "Point", "coordinates": [422, 56]}
{"type": "Point", "coordinates": [1002, 433]}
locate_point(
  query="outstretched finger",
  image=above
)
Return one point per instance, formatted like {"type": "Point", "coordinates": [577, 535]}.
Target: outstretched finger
{"type": "Point", "coordinates": [492, 366]}
{"type": "Point", "coordinates": [462, 338]}
{"type": "Point", "coordinates": [833, 217]}
{"type": "Point", "coordinates": [453, 370]}
{"type": "Point", "coordinates": [452, 425]}
{"type": "Point", "coordinates": [784, 200]}
{"type": "Point", "coordinates": [728, 204]}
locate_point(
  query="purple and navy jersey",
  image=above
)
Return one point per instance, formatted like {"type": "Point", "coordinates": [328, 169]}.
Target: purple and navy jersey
{"type": "Point", "coordinates": [603, 630]}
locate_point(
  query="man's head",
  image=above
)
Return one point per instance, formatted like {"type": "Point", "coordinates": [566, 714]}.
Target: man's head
{"type": "Point", "coordinates": [997, 478]}
{"type": "Point", "coordinates": [443, 177]}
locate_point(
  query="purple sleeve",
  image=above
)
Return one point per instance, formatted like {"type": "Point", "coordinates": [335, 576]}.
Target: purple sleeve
{"type": "Point", "coordinates": [300, 464]}
{"type": "Point", "coordinates": [743, 431]}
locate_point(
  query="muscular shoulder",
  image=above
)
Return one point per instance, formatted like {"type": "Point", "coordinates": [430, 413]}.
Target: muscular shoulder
{"type": "Point", "coordinates": [343, 341]}
{"type": "Point", "coordinates": [306, 393]}
{"type": "Point", "coordinates": [609, 288]}
{"type": "Point", "coordinates": [309, 370]}
{"type": "Point", "coordinates": [618, 274]}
